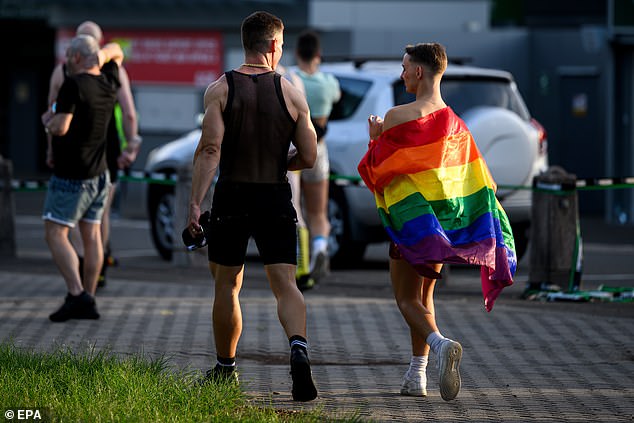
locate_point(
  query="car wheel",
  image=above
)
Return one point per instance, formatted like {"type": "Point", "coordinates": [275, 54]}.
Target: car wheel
{"type": "Point", "coordinates": [161, 210]}
{"type": "Point", "coordinates": [343, 251]}
{"type": "Point", "coordinates": [521, 233]}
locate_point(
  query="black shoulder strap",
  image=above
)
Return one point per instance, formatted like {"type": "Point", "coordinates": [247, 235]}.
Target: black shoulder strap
{"type": "Point", "coordinates": [280, 96]}
{"type": "Point", "coordinates": [229, 77]}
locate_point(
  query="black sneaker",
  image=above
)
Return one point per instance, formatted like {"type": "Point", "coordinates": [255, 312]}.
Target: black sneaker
{"type": "Point", "coordinates": [303, 385]}
{"type": "Point", "coordinates": [81, 306]}
{"type": "Point", "coordinates": [220, 374]}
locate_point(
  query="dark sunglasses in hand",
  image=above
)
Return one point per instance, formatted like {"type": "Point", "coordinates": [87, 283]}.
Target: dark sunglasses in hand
{"type": "Point", "coordinates": [193, 243]}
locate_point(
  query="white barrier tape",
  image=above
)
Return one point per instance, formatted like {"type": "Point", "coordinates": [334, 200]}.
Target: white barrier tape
{"type": "Point", "coordinates": [341, 180]}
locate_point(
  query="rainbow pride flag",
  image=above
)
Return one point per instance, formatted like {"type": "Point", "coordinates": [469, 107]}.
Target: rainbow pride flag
{"type": "Point", "coordinates": [436, 199]}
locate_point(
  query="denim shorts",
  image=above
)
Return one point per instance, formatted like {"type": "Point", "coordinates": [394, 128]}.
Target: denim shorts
{"type": "Point", "coordinates": [71, 200]}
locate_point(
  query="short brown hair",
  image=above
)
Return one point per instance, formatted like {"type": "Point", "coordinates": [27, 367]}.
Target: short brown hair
{"type": "Point", "coordinates": [258, 28]}
{"type": "Point", "coordinates": [432, 55]}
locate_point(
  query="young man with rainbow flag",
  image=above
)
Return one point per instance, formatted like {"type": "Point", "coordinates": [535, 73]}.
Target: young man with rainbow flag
{"type": "Point", "coordinates": [436, 199]}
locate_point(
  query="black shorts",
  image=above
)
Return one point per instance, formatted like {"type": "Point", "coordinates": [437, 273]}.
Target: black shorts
{"type": "Point", "coordinates": [263, 212]}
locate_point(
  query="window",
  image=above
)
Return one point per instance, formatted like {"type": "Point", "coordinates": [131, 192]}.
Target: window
{"type": "Point", "coordinates": [352, 93]}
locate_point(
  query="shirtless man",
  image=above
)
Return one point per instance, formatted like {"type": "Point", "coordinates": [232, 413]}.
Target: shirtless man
{"type": "Point", "coordinates": [437, 201]}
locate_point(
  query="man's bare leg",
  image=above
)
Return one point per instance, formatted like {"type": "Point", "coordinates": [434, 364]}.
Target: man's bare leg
{"type": "Point", "coordinates": [93, 254]}
{"type": "Point", "coordinates": [407, 286]}
{"type": "Point", "coordinates": [316, 205]}
{"type": "Point", "coordinates": [415, 379]}
{"type": "Point", "coordinates": [78, 304]}
{"type": "Point", "coordinates": [227, 314]}
{"type": "Point", "coordinates": [291, 311]}
{"type": "Point", "coordinates": [64, 255]}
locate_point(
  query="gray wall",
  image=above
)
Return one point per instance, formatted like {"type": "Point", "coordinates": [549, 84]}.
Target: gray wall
{"type": "Point", "coordinates": [568, 94]}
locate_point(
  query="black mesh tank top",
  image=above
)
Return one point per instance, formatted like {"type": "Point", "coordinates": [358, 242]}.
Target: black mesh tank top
{"type": "Point", "coordinates": [258, 130]}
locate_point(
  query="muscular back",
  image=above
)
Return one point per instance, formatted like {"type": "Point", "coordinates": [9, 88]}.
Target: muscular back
{"type": "Point", "coordinates": [258, 129]}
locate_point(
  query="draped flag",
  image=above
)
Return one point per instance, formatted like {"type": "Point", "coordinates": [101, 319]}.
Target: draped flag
{"type": "Point", "coordinates": [436, 199]}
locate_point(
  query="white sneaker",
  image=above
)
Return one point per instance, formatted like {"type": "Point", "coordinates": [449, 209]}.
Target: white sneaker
{"type": "Point", "coordinates": [414, 386]}
{"type": "Point", "coordinates": [449, 363]}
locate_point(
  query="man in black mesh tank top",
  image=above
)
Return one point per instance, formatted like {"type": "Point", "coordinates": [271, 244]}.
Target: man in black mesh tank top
{"type": "Point", "coordinates": [251, 118]}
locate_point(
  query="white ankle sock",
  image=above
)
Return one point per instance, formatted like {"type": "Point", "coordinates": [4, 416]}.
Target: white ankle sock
{"type": "Point", "coordinates": [417, 365]}
{"type": "Point", "coordinates": [435, 340]}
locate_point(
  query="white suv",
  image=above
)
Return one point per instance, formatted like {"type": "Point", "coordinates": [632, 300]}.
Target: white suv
{"type": "Point", "coordinates": [512, 143]}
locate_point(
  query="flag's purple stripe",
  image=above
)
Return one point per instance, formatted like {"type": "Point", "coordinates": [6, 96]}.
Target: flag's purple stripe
{"type": "Point", "coordinates": [498, 264]}
{"type": "Point", "coordinates": [436, 249]}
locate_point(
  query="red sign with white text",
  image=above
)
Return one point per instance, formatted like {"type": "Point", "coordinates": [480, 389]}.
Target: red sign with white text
{"type": "Point", "coordinates": [165, 57]}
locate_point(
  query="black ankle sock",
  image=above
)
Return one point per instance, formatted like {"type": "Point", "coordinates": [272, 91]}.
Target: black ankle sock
{"type": "Point", "coordinates": [226, 362]}
{"type": "Point", "coordinates": [297, 341]}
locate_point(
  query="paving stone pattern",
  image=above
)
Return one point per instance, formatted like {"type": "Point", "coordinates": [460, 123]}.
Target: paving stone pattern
{"type": "Point", "coordinates": [521, 363]}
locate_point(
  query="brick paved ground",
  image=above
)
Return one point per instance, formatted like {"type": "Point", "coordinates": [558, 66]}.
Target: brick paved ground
{"type": "Point", "coordinates": [525, 361]}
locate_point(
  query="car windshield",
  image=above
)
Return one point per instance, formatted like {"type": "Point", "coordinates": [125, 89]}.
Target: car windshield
{"type": "Point", "coordinates": [462, 94]}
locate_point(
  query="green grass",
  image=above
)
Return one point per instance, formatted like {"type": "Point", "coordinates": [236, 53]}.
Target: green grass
{"type": "Point", "coordinates": [96, 386]}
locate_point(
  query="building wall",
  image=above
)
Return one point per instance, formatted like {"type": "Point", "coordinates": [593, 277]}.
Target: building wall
{"type": "Point", "coordinates": [431, 15]}
{"type": "Point", "coordinates": [569, 79]}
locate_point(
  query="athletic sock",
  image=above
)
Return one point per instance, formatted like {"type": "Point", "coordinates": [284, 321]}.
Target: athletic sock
{"type": "Point", "coordinates": [435, 340]}
{"type": "Point", "coordinates": [297, 341]}
{"type": "Point", "coordinates": [417, 365]}
{"type": "Point", "coordinates": [320, 243]}
{"type": "Point", "coordinates": [226, 362]}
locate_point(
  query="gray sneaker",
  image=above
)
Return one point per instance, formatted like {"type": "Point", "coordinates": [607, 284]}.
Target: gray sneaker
{"type": "Point", "coordinates": [414, 386]}
{"type": "Point", "coordinates": [321, 266]}
{"type": "Point", "coordinates": [449, 363]}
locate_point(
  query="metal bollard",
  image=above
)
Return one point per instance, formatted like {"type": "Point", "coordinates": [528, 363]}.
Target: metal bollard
{"type": "Point", "coordinates": [7, 211]}
{"type": "Point", "coordinates": [555, 249]}
{"type": "Point", "coordinates": [182, 191]}
{"type": "Point", "coordinates": [181, 257]}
